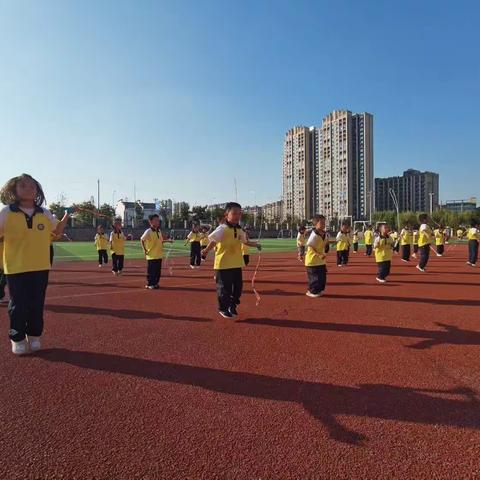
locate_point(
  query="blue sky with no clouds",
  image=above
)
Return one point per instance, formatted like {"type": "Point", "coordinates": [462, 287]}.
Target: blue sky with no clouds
{"type": "Point", "coordinates": [181, 97]}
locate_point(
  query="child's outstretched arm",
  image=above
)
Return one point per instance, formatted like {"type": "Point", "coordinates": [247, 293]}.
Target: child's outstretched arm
{"type": "Point", "coordinates": [58, 230]}
{"type": "Point", "coordinates": [210, 246]}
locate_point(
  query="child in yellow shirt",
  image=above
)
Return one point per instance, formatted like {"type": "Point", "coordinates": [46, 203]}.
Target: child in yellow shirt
{"type": "Point", "coordinates": [117, 247]}
{"type": "Point", "coordinates": [355, 241]}
{"type": "Point", "coordinates": [152, 243]}
{"type": "Point", "coordinates": [343, 244]}
{"type": "Point", "coordinates": [315, 258]}
{"type": "Point", "coordinates": [227, 240]}
{"type": "Point", "coordinates": [473, 237]}
{"type": "Point", "coordinates": [101, 243]}
{"type": "Point", "coordinates": [439, 234]}
{"type": "Point", "coordinates": [383, 247]}
{"type": "Point", "coordinates": [301, 242]}
{"type": "Point", "coordinates": [406, 241]}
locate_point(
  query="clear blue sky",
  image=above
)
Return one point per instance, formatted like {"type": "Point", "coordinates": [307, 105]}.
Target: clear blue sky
{"type": "Point", "coordinates": [180, 97]}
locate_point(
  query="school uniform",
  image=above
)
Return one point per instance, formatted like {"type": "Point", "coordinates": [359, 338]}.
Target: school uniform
{"type": "Point", "coordinates": [460, 234]}
{"type": "Point", "coordinates": [383, 246]}
{"type": "Point", "coordinates": [368, 236]}
{"type": "Point", "coordinates": [246, 254]}
{"type": "Point", "coordinates": [343, 246]}
{"type": "Point", "coordinates": [315, 264]}
{"type": "Point", "coordinates": [406, 240]}
{"type": "Point", "coordinates": [228, 264]}
{"type": "Point", "coordinates": [117, 247]}
{"type": "Point", "coordinates": [153, 241]}
{"type": "Point", "coordinates": [415, 242]}
{"type": "Point", "coordinates": [101, 242]}
{"type": "Point", "coordinates": [439, 240]}
{"type": "Point", "coordinates": [194, 239]}
{"type": "Point", "coordinates": [473, 237]}
{"type": "Point", "coordinates": [425, 236]}
{"type": "Point", "coordinates": [26, 263]}
{"type": "Point", "coordinates": [396, 243]}
{"type": "Point", "coordinates": [301, 241]}
{"type": "Point", "coordinates": [355, 242]}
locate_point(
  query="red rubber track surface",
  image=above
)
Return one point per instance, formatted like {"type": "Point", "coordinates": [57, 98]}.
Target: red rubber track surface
{"type": "Point", "coordinates": [370, 381]}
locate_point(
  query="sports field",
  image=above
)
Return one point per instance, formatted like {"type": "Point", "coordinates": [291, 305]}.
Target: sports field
{"type": "Point", "coordinates": [84, 251]}
{"type": "Point", "coordinates": [368, 382]}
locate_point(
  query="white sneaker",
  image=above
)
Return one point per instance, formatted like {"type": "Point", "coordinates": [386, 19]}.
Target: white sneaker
{"type": "Point", "coordinates": [381, 280]}
{"type": "Point", "coordinates": [192, 267]}
{"type": "Point", "coordinates": [313, 295]}
{"type": "Point", "coordinates": [99, 266]}
{"type": "Point", "coordinates": [34, 343]}
{"type": "Point", "coordinates": [20, 348]}
{"type": "Point", "coordinates": [421, 269]}
{"type": "Point", "coordinates": [403, 260]}
{"type": "Point", "coordinates": [439, 255]}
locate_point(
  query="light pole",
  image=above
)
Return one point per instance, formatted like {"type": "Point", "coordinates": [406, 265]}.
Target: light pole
{"type": "Point", "coordinates": [395, 202]}
{"type": "Point", "coordinates": [255, 208]}
{"type": "Point", "coordinates": [113, 198]}
{"type": "Point", "coordinates": [369, 193]}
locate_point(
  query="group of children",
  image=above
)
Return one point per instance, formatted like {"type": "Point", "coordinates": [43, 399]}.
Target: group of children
{"type": "Point", "coordinates": [27, 230]}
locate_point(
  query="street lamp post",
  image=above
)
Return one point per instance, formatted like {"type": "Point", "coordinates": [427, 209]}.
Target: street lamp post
{"type": "Point", "coordinates": [395, 202]}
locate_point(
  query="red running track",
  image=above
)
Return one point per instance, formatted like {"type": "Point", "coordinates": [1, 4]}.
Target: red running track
{"type": "Point", "coordinates": [370, 381]}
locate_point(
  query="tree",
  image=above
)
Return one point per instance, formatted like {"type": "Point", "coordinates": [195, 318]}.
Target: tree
{"type": "Point", "coordinates": [57, 209]}
{"type": "Point", "coordinates": [199, 213]}
{"type": "Point", "coordinates": [107, 214]}
{"type": "Point", "coordinates": [85, 214]}
{"type": "Point", "coordinates": [185, 211]}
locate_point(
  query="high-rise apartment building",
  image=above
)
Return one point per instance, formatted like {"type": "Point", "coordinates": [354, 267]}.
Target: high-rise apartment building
{"type": "Point", "coordinates": [415, 191]}
{"type": "Point", "coordinates": [329, 169]}
{"type": "Point", "coordinates": [297, 174]}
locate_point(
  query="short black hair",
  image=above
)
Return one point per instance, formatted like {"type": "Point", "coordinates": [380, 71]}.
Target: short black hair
{"type": "Point", "coordinates": [231, 205]}
{"type": "Point", "coordinates": [345, 224]}
{"type": "Point", "coordinates": [422, 217]}
{"type": "Point", "coordinates": [317, 218]}
{"type": "Point", "coordinates": [152, 216]}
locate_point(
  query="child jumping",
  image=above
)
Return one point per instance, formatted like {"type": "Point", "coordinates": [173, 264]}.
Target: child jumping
{"type": "Point", "coordinates": [117, 247]}
{"type": "Point", "coordinates": [26, 228]}
{"type": "Point", "coordinates": [101, 242]}
{"type": "Point", "coordinates": [383, 247]}
{"type": "Point", "coordinates": [425, 236]}
{"type": "Point", "coordinates": [355, 241]}
{"type": "Point", "coordinates": [406, 240]}
{"type": "Point", "coordinates": [473, 237]}
{"type": "Point", "coordinates": [194, 238]}
{"type": "Point", "coordinates": [315, 258]}
{"type": "Point", "coordinates": [227, 240]}
{"type": "Point", "coordinates": [343, 244]}
{"type": "Point", "coordinates": [301, 241]}
{"type": "Point", "coordinates": [368, 236]}
{"type": "Point", "coordinates": [152, 243]}
{"type": "Point", "coordinates": [439, 234]}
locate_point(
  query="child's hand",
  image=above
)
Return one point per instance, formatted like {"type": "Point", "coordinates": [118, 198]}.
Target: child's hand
{"type": "Point", "coordinates": [259, 247]}
{"type": "Point", "coordinates": [204, 253]}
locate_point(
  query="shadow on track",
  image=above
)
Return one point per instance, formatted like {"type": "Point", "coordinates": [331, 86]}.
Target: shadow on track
{"type": "Point", "coordinates": [121, 313]}
{"type": "Point", "coordinates": [322, 400]}
{"type": "Point", "coordinates": [451, 335]}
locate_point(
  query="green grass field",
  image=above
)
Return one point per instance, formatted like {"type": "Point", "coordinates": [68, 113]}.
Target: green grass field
{"type": "Point", "coordinates": [84, 251]}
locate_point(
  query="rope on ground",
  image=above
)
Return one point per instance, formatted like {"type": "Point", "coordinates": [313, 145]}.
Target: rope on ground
{"type": "Point", "coordinates": [257, 295]}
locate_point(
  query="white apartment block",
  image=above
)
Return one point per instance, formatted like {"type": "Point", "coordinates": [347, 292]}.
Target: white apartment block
{"type": "Point", "coordinates": [297, 181]}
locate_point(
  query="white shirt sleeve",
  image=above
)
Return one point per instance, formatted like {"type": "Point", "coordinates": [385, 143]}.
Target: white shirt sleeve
{"type": "Point", "coordinates": [311, 239]}
{"type": "Point", "coordinates": [423, 227]}
{"type": "Point", "coordinates": [111, 237]}
{"type": "Point", "coordinates": [189, 236]}
{"type": "Point", "coordinates": [217, 235]}
{"type": "Point", "coordinates": [376, 241]}
{"type": "Point", "coordinates": [50, 216]}
{"type": "Point", "coordinates": [146, 233]}
{"type": "Point", "coordinates": [339, 236]}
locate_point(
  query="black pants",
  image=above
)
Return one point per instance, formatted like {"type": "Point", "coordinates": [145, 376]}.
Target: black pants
{"type": "Point", "coordinates": [383, 269]}
{"type": "Point", "coordinates": [473, 251]}
{"type": "Point", "coordinates": [27, 298]}
{"type": "Point", "coordinates": [195, 254]}
{"type": "Point", "coordinates": [440, 249]}
{"type": "Point", "coordinates": [154, 270]}
{"type": "Point", "coordinates": [424, 256]}
{"type": "Point", "coordinates": [3, 282]}
{"type": "Point", "coordinates": [342, 257]}
{"type": "Point", "coordinates": [396, 247]}
{"type": "Point", "coordinates": [52, 254]}
{"type": "Point", "coordinates": [317, 278]}
{"type": "Point", "coordinates": [102, 257]}
{"type": "Point", "coordinates": [246, 259]}
{"type": "Point", "coordinates": [368, 250]}
{"type": "Point", "coordinates": [117, 262]}
{"type": "Point", "coordinates": [406, 252]}
{"type": "Point", "coordinates": [355, 247]}
{"type": "Point", "coordinates": [229, 287]}
{"type": "Point", "coordinates": [415, 247]}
